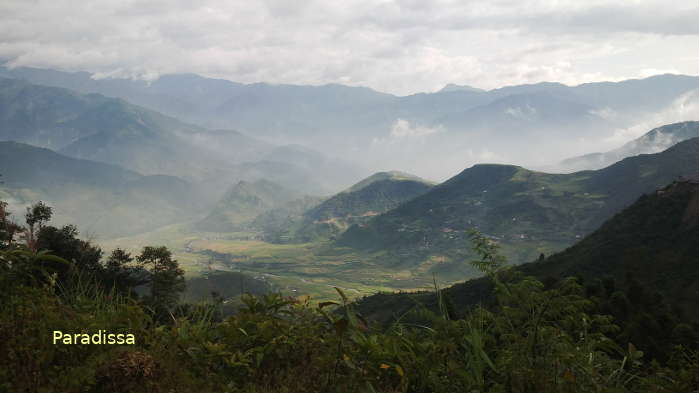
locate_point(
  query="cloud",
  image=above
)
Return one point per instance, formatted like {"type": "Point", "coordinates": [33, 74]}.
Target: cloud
{"type": "Point", "coordinates": [403, 129]}
{"type": "Point", "coordinates": [684, 108]}
{"type": "Point", "coordinates": [400, 46]}
{"type": "Point", "coordinates": [526, 112]}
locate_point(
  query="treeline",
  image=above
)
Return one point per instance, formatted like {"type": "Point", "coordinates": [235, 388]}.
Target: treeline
{"type": "Point", "coordinates": [533, 338]}
{"type": "Point", "coordinates": [153, 277]}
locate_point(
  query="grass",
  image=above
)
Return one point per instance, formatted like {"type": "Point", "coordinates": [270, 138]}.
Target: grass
{"type": "Point", "coordinates": [295, 269]}
{"type": "Point", "coordinates": [312, 269]}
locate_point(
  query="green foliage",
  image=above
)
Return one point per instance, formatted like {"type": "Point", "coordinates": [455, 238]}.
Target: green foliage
{"type": "Point", "coordinates": [490, 262]}
{"type": "Point", "coordinates": [229, 287]}
{"type": "Point", "coordinates": [166, 281]}
{"type": "Point", "coordinates": [65, 243]}
{"type": "Point", "coordinates": [374, 195]}
{"type": "Point", "coordinates": [37, 214]}
{"type": "Point", "coordinates": [120, 273]}
{"type": "Point", "coordinates": [8, 228]}
{"type": "Point", "coordinates": [539, 338]}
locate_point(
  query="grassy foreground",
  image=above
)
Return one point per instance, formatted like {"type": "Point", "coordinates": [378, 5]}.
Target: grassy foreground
{"type": "Point", "coordinates": [535, 339]}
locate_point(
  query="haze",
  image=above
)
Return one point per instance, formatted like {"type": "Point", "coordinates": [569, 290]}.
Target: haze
{"type": "Point", "coordinates": [398, 47]}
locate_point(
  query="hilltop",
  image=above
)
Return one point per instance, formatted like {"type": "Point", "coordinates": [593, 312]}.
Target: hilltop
{"type": "Point", "coordinates": [528, 212]}
{"type": "Point", "coordinates": [372, 196]}
{"type": "Point", "coordinates": [242, 203]}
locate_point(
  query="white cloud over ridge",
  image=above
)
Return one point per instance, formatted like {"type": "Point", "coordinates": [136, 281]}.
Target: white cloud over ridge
{"type": "Point", "coordinates": [401, 46]}
{"type": "Point", "coordinates": [684, 108]}
{"type": "Point", "coordinates": [403, 129]}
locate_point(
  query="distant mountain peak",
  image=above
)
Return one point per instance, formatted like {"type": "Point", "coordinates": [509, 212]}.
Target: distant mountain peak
{"type": "Point", "coordinates": [656, 140]}
{"type": "Point", "coordinates": [454, 87]}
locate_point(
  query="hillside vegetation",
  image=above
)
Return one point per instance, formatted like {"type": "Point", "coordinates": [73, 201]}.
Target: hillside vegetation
{"type": "Point", "coordinates": [372, 196]}
{"type": "Point", "coordinates": [242, 203]}
{"type": "Point", "coordinates": [640, 266]}
{"type": "Point", "coordinates": [530, 212]}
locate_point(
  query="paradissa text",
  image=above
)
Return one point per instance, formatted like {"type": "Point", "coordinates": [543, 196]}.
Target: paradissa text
{"type": "Point", "coordinates": [99, 338]}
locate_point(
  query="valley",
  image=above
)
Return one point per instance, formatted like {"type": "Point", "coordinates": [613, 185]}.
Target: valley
{"type": "Point", "coordinates": [311, 269]}
{"type": "Point", "coordinates": [422, 241]}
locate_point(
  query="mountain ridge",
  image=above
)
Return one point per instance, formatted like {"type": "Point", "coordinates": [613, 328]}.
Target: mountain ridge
{"type": "Point", "coordinates": [341, 121]}
{"type": "Point", "coordinates": [518, 206]}
{"type": "Point", "coordinates": [102, 199]}
{"type": "Point", "coordinates": [655, 140]}
{"type": "Point", "coordinates": [649, 244]}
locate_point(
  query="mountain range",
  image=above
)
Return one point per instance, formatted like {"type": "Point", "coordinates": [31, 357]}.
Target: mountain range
{"type": "Point", "coordinates": [409, 132]}
{"type": "Point", "coordinates": [102, 199]}
{"type": "Point", "coordinates": [99, 128]}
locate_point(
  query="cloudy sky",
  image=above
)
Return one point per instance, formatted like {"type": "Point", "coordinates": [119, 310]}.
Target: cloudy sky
{"type": "Point", "coordinates": [401, 47]}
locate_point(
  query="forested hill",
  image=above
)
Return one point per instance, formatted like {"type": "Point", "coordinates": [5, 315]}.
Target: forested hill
{"type": "Point", "coordinates": [515, 205]}
{"type": "Point", "coordinates": [242, 203]}
{"type": "Point", "coordinates": [372, 196]}
{"type": "Point", "coordinates": [644, 258]}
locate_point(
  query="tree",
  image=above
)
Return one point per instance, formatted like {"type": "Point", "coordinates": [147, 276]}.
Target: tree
{"type": "Point", "coordinates": [8, 228]}
{"type": "Point", "coordinates": [64, 242]}
{"type": "Point", "coordinates": [166, 277]}
{"type": "Point", "coordinates": [119, 272]}
{"type": "Point", "coordinates": [37, 215]}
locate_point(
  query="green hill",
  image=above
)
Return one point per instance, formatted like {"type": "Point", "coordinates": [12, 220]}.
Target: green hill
{"type": "Point", "coordinates": [242, 203]}
{"type": "Point", "coordinates": [280, 224]}
{"type": "Point", "coordinates": [648, 252]}
{"type": "Point", "coordinates": [358, 204]}
{"type": "Point", "coordinates": [100, 198]}
{"type": "Point", "coordinates": [528, 212]}
{"type": "Point", "coordinates": [654, 242]}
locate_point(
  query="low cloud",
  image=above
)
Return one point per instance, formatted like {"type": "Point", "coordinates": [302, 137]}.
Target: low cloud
{"type": "Point", "coordinates": [526, 112]}
{"type": "Point", "coordinates": [403, 129]}
{"type": "Point", "coordinates": [684, 108]}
